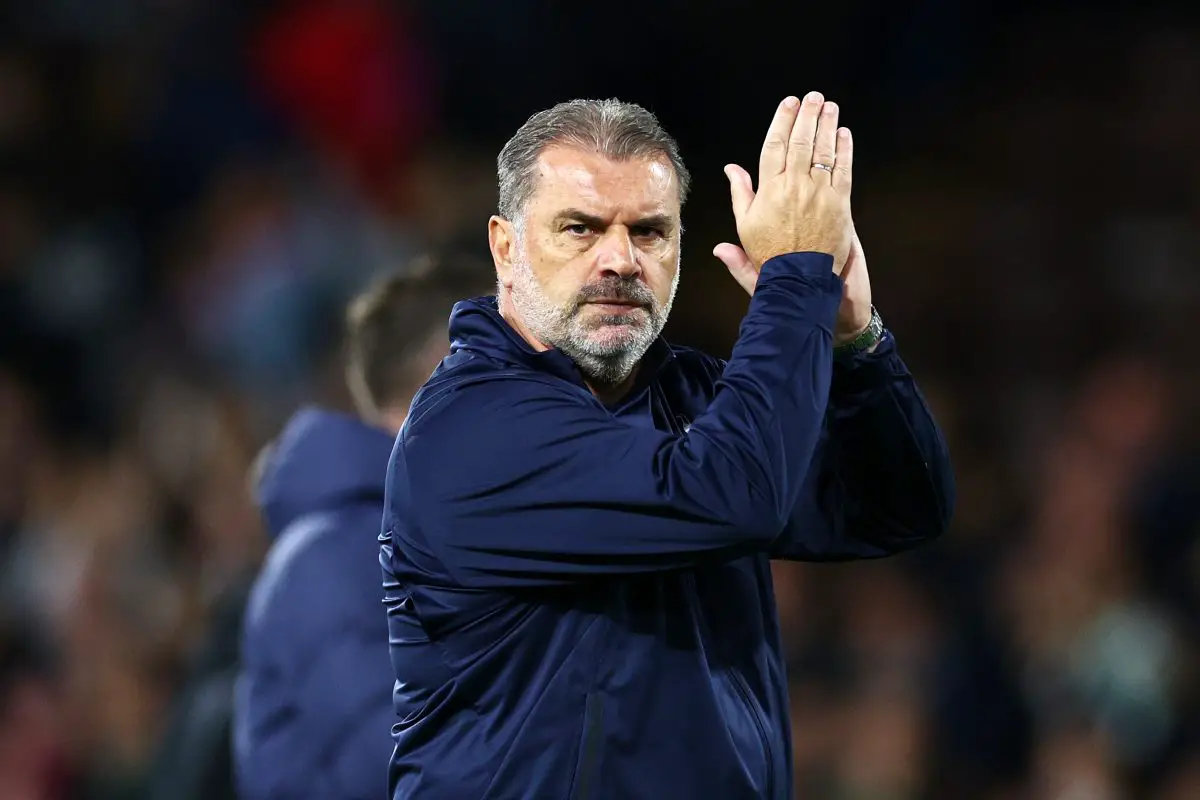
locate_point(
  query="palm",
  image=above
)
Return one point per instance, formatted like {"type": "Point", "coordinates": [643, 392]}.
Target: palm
{"type": "Point", "coordinates": [855, 311]}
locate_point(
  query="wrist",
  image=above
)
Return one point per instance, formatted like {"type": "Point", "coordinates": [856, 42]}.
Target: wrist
{"type": "Point", "coordinates": [864, 340]}
{"type": "Point", "coordinates": [843, 335]}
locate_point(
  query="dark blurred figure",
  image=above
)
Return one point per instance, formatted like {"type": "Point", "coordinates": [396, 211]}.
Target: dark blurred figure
{"type": "Point", "coordinates": [194, 760]}
{"type": "Point", "coordinates": [32, 742]}
{"type": "Point", "coordinates": [313, 707]}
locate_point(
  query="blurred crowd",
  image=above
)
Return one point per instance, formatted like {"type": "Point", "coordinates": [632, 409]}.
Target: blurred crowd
{"type": "Point", "coordinates": [191, 191]}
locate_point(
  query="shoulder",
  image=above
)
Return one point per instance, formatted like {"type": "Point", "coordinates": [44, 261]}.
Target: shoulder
{"type": "Point", "coordinates": [478, 393]}
{"type": "Point", "coordinates": [312, 568]}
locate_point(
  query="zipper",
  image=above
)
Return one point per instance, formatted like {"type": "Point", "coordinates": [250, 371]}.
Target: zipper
{"type": "Point", "coordinates": [739, 683]}
{"type": "Point", "coordinates": [593, 715]}
{"type": "Point", "coordinates": [677, 423]}
{"type": "Point", "coordinates": [744, 691]}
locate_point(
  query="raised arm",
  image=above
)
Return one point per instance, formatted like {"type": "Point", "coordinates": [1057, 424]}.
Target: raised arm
{"type": "Point", "coordinates": [881, 480]}
{"type": "Point", "coordinates": [525, 481]}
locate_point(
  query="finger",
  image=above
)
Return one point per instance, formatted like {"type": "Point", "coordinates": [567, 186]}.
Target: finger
{"type": "Point", "coordinates": [803, 136]}
{"type": "Point", "coordinates": [843, 164]}
{"type": "Point", "coordinates": [825, 149]}
{"type": "Point", "coordinates": [741, 189]}
{"type": "Point", "coordinates": [774, 149]}
{"type": "Point", "coordinates": [739, 265]}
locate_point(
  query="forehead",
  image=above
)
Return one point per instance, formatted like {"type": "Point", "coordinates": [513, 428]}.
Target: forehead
{"type": "Point", "coordinates": [572, 178]}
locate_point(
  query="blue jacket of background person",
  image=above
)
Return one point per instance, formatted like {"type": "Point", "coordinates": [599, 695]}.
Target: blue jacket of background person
{"type": "Point", "coordinates": [313, 702]}
{"type": "Point", "coordinates": [579, 596]}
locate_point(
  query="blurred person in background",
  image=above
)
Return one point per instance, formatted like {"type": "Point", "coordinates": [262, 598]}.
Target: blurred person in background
{"type": "Point", "coordinates": [580, 517]}
{"type": "Point", "coordinates": [314, 698]}
{"type": "Point", "coordinates": [33, 740]}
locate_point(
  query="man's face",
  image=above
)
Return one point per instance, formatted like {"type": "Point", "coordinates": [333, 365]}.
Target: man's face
{"type": "Point", "coordinates": [596, 262]}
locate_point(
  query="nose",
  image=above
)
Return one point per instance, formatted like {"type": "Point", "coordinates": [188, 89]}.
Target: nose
{"type": "Point", "coordinates": [616, 254]}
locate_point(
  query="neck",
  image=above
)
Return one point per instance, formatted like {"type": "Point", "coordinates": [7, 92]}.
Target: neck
{"type": "Point", "coordinates": [610, 395]}
{"type": "Point", "coordinates": [391, 419]}
{"type": "Point", "coordinates": [509, 312]}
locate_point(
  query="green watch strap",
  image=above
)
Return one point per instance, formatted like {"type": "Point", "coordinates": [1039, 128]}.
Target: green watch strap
{"type": "Point", "coordinates": [870, 336]}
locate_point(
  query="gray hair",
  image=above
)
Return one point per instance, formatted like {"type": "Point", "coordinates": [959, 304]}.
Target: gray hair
{"type": "Point", "coordinates": [617, 130]}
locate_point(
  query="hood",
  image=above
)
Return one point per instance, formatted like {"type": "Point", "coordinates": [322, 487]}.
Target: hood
{"type": "Point", "coordinates": [477, 325]}
{"type": "Point", "coordinates": [322, 461]}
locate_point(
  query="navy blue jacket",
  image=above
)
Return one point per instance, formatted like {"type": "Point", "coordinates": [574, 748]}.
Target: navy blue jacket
{"type": "Point", "coordinates": [579, 596]}
{"type": "Point", "coordinates": [313, 701]}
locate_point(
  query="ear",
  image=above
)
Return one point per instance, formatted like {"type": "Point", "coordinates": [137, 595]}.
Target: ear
{"type": "Point", "coordinates": [502, 241]}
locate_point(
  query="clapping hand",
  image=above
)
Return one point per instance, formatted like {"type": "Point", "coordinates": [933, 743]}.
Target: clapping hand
{"type": "Point", "coordinates": [802, 204]}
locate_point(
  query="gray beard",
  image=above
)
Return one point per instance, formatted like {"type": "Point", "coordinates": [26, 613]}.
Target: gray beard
{"type": "Point", "coordinates": [605, 368]}
{"type": "Point", "coordinates": [602, 364]}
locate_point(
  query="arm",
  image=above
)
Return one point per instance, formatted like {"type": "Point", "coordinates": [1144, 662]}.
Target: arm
{"type": "Point", "coordinates": [518, 482]}
{"type": "Point", "coordinates": [881, 480]}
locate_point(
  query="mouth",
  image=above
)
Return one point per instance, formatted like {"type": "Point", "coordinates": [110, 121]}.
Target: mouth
{"type": "Point", "coordinates": [615, 306]}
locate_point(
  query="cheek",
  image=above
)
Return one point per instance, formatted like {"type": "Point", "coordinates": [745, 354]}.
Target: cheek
{"type": "Point", "coordinates": [661, 273]}
{"type": "Point", "coordinates": [553, 274]}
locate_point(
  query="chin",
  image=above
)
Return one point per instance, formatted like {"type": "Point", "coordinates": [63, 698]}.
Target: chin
{"type": "Point", "coordinates": [615, 338]}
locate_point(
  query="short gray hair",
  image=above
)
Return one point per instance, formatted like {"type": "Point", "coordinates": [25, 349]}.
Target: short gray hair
{"type": "Point", "coordinates": [611, 128]}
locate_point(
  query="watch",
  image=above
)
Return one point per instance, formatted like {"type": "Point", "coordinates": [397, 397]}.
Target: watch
{"type": "Point", "coordinates": [870, 336]}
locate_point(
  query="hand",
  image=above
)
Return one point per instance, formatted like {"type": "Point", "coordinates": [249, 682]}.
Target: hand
{"type": "Point", "coordinates": [855, 311]}
{"type": "Point", "coordinates": [798, 207]}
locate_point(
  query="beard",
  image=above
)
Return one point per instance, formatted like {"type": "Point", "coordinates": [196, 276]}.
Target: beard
{"type": "Point", "coordinates": [605, 347]}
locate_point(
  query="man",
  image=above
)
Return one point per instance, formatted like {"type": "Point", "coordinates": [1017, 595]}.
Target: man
{"type": "Point", "coordinates": [313, 704]}
{"type": "Point", "coordinates": [580, 517]}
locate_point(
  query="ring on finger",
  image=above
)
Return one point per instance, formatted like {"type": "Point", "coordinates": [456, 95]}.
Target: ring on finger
{"type": "Point", "coordinates": [826, 167]}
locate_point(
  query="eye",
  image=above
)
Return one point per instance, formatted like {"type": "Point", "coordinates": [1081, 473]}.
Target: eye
{"type": "Point", "coordinates": [647, 232]}
{"type": "Point", "coordinates": [577, 229]}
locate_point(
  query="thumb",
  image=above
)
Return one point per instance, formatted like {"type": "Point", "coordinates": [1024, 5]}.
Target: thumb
{"type": "Point", "coordinates": [856, 259]}
{"type": "Point", "coordinates": [741, 189]}
{"type": "Point", "coordinates": [739, 265]}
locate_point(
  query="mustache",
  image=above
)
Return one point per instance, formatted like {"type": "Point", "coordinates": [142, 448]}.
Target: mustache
{"type": "Point", "coordinates": [629, 290]}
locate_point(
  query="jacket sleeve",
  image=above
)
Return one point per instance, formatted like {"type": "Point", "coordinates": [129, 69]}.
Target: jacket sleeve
{"type": "Point", "coordinates": [881, 480]}
{"type": "Point", "coordinates": [516, 481]}
{"type": "Point", "coordinates": [314, 698]}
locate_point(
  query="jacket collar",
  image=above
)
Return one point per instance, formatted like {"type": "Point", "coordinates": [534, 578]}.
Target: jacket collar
{"type": "Point", "coordinates": [477, 324]}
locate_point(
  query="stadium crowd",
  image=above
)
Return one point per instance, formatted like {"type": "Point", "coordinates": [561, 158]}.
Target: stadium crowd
{"type": "Point", "coordinates": [190, 193]}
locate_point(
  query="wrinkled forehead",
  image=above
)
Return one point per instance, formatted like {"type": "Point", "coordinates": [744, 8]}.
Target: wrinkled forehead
{"type": "Point", "coordinates": [573, 178]}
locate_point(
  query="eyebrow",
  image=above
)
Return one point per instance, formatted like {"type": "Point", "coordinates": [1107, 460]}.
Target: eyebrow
{"type": "Point", "coordinates": [663, 221]}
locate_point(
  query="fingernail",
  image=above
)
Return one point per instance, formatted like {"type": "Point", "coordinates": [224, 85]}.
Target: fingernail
{"type": "Point", "coordinates": [813, 97]}
{"type": "Point", "coordinates": [830, 107]}
{"type": "Point", "coordinates": [790, 102]}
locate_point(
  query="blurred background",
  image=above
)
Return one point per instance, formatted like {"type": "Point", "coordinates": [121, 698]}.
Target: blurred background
{"type": "Point", "coordinates": [191, 189]}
